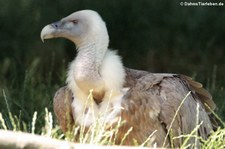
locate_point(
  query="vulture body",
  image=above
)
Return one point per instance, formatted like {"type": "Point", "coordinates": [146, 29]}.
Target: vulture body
{"type": "Point", "coordinates": [152, 104]}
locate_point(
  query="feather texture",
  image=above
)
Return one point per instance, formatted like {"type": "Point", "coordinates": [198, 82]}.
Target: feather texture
{"type": "Point", "coordinates": [150, 105]}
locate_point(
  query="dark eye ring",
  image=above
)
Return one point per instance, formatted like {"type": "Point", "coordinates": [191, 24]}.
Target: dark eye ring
{"type": "Point", "coordinates": [74, 21]}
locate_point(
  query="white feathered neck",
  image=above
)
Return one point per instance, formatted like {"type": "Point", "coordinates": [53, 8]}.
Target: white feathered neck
{"type": "Point", "coordinates": [98, 67]}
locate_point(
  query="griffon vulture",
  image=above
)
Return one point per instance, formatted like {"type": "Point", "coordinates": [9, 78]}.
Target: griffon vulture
{"type": "Point", "coordinates": [147, 102]}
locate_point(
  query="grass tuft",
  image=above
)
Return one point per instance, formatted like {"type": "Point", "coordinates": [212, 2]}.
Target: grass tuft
{"type": "Point", "coordinates": [34, 122]}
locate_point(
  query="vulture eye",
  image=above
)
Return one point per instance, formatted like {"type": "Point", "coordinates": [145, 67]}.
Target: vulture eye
{"type": "Point", "coordinates": [74, 21]}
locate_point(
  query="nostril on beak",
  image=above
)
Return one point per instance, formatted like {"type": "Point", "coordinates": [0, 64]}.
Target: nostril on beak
{"type": "Point", "coordinates": [56, 24]}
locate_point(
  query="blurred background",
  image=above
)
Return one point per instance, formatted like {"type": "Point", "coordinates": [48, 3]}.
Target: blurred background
{"type": "Point", "coordinates": [158, 36]}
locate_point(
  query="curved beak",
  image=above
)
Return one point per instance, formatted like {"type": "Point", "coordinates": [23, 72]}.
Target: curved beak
{"type": "Point", "coordinates": [46, 32]}
{"type": "Point", "coordinates": [50, 31]}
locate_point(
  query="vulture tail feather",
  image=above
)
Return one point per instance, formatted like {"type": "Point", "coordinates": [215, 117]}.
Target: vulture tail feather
{"type": "Point", "coordinates": [204, 96]}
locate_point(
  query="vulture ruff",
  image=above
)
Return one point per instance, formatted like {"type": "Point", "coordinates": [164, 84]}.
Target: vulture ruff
{"type": "Point", "coordinates": [146, 101]}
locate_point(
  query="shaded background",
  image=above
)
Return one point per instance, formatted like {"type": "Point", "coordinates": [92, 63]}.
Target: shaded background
{"type": "Point", "coordinates": [158, 36]}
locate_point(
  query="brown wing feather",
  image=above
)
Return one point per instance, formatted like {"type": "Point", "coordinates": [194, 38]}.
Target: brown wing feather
{"type": "Point", "coordinates": [162, 94]}
{"type": "Point", "coordinates": [174, 91]}
{"type": "Point", "coordinates": [62, 108]}
{"type": "Point", "coordinates": [141, 110]}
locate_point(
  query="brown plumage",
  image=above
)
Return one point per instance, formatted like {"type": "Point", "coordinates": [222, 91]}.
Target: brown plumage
{"type": "Point", "coordinates": [150, 105]}
{"type": "Point", "coordinates": [62, 108]}
{"type": "Point", "coordinates": [162, 105]}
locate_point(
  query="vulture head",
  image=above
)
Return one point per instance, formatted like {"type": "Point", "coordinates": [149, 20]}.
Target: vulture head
{"type": "Point", "coordinates": [88, 32]}
{"type": "Point", "coordinates": [82, 27]}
